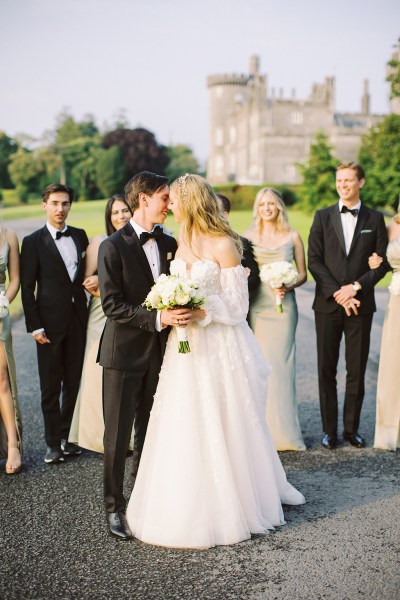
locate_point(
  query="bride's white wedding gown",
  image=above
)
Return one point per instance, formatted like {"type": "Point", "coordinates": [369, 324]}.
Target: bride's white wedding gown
{"type": "Point", "coordinates": [209, 472]}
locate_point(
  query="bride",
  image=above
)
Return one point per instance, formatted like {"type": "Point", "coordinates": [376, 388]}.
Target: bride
{"type": "Point", "coordinates": [209, 473]}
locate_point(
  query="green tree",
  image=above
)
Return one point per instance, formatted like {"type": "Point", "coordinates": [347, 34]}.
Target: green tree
{"type": "Point", "coordinates": [318, 188]}
{"type": "Point", "coordinates": [393, 76]}
{"type": "Point", "coordinates": [8, 147]}
{"type": "Point", "coordinates": [380, 156]}
{"type": "Point", "coordinates": [182, 160]}
{"type": "Point", "coordinates": [110, 171]}
{"type": "Point", "coordinates": [139, 149]}
{"type": "Point", "coordinates": [26, 168]}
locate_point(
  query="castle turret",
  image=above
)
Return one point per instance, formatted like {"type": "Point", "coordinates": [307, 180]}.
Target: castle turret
{"type": "Point", "coordinates": [365, 99]}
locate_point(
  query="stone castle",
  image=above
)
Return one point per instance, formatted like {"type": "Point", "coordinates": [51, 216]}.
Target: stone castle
{"type": "Point", "coordinates": [257, 137]}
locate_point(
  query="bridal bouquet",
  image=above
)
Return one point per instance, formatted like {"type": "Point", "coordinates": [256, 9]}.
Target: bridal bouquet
{"type": "Point", "coordinates": [278, 274]}
{"type": "Point", "coordinates": [175, 291]}
{"type": "Point", "coordinates": [4, 304]}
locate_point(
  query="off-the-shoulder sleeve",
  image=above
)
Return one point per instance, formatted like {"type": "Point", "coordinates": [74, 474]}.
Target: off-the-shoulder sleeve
{"type": "Point", "coordinates": [230, 307]}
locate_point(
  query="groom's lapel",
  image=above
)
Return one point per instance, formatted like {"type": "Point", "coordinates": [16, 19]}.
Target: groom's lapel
{"type": "Point", "coordinates": [162, 250]}
{"type": "Point", "coordinates": [130, 237]}
{"type": "Point", "coordinates": [337, 225]}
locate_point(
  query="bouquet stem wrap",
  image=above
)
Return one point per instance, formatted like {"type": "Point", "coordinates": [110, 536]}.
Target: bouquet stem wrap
{"type": "Point", "coordinates": [183, 341]}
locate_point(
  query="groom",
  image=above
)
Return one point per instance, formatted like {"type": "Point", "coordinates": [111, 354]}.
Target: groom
{"type": "Point", "coordinates": [134, 339]}
{"type": "Point", "coordinates": [342, 237]}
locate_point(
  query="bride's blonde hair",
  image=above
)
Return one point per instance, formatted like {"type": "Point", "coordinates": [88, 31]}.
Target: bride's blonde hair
{"type": "Point", "coordinates": [396, 217]}
{"type": "Point", "coordinates": [199, 210]}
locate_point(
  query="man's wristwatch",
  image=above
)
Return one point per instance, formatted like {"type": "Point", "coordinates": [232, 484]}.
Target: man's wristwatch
{"type": "Point", "coordinates": [356, 286]}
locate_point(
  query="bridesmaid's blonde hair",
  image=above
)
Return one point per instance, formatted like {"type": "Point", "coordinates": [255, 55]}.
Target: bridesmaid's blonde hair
{"type": "Point", "coordinates": [282, 220]}
{"type": "Point", "coordinates": [199, 210]}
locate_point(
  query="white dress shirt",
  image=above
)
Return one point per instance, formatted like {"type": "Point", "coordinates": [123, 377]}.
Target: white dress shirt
{"type": "Point", "coordinates": [67, 249]}
{"type": "Point", "coordinates": [349, 223]}
{"type": "Point", "coordinates": [150, 249]}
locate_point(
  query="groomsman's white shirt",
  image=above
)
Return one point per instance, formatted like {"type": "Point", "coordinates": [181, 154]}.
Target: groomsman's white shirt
{"type": "Point", "coordinates": [349, 223]}
{"type": "Point", "coordinates": [153, 257]}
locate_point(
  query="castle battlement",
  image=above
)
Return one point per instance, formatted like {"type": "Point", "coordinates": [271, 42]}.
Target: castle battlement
{"type": "Point", "coordinates": [234, 79]}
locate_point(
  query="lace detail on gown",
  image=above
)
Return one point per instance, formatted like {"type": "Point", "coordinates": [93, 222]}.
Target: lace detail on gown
{"type": "Point", "coordinates": [209, 473]}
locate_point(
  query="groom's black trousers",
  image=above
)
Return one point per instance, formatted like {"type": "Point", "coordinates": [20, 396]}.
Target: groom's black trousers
{"type": "Point", "coordinates": [330, 328]}
{"type": "Point", "coordinates": [127, 399]}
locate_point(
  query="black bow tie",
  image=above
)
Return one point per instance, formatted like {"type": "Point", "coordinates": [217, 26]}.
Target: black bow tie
{"type": "Point", "coordinates": [145, 236]}
{"type": "Point", "coordinates": [353, 211]}
{"type": "Point", "coordinates": [60, 234]}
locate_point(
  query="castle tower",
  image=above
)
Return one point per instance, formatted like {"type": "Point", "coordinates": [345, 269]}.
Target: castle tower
{"type": "Point", "coordinates": [365, 99]}
{"type": "Point", "coordinates": [227, 94]}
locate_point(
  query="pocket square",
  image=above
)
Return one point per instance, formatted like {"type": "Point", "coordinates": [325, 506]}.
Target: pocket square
{"type": "Point", "coordinates": [366, 231]}
{"type": "Point", "coordinates": [83, 254]}
{"type": "Point", "coordinates": [169, 256]}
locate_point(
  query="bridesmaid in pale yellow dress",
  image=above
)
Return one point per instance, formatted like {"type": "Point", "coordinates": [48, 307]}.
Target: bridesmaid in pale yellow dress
{"type": "Point", "coordinates": [274, 240]}
{"type": "Point", "coordinates": [387, 426]}
{"type": "Point", "coordinates": [10, 418]}
{"type": "Point", "coordinates": [87, 427]}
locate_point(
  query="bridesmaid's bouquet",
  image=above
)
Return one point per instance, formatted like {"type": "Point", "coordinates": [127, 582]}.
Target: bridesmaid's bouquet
{"type": "Point", "coordinates": [175, 291]}
{"type": "Point", "coordinates": [278, 274]}
{"type": "Point", "coordinates": [4, 304]}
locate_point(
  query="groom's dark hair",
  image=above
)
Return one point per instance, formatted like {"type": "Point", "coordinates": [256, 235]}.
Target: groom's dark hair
{"type": "Point", "coordinates": [143, 183]}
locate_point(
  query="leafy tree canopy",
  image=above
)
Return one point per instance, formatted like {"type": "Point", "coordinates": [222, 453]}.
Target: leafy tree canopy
{"type": "Point", "coordinates": [393, 76]}
{"type": "Point", "coordinates": [380, 157]}
{"type": "Point", "coordinates": [182, 160]}
{"type": "Point", "coordinates": [318, 188]}
{"type": "Point", "coordinates": [139, 149]}
{"type": "Point", "coordinates": [8, 147]}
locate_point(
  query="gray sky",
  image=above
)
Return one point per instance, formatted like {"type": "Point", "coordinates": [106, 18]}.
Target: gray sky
{"type": "Point", "coordinates": [152, 57]}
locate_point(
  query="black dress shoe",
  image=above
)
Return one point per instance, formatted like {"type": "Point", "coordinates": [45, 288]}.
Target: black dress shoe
{"type": "Point", "coordinates": [118, 525]}
{"type": "Point", "coordinates": [53, 456]}
{"type": "Point", "coordinates": [70, 449]}
{"type": "Point", "coordinates": [329, 442]}
{"type": "Point", "coordinates": [355, 440]}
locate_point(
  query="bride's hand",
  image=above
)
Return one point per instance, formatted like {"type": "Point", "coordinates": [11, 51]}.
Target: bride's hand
{"type": "Point", "coordinates": [176, 317]}
{"type": "Point", "coordinates": [280, 291]}
{"type": "Point", "coordinates": [198, 314]}
{"type": "Point", "coordinates": [374, 261]}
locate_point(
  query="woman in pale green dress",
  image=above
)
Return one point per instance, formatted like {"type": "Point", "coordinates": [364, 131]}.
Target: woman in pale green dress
{"type": "Point", "coordinates": [87, 427]}
{"type": "Point", "coordinates": [273, 241]}
{"type": "Point", "coordinates": [10, 416]}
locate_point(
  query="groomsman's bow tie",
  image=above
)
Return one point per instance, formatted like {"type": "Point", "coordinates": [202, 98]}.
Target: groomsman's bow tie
{"type": "Point", "coordinates": [353, 211]}
{"type": "Point", "coordinates": [60, 234]}
{"type": "Point", "coordinates": [145, 236]}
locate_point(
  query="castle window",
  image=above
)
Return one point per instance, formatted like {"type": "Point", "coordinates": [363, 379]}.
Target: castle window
{"type": "Point", "coordinates": [296, 117]}
{"type": "Point", "coordinates": [219, 136]}
{"type": "Point", "coordinates": [290, 173]}
{"type": "Point", "coordinates": [219, 165]}
{"type": "Point", "coordinates": [232, 134]}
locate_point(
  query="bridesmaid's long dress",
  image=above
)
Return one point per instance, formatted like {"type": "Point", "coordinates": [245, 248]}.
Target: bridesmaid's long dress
{"type": "Point", "coordinates": [275, 332]}
{"type": "Point", "coordinates": [387, 427]}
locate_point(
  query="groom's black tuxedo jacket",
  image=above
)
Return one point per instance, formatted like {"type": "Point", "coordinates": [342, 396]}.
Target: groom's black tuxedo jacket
{"type": "Point", "coordinates": [47, 291]}
{"type": "Point", "coordinates": [332, 268]}
{"type": "Point", "coordinates": [125, 279]}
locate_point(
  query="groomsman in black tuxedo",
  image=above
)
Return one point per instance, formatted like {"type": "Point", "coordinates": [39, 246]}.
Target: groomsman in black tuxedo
{"type": "Point", "coordinates": [55, 306]}
{"type": "Point", "coordinates": [342, 238]}
{"type": "Point", "coordinates": [134, 339]}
